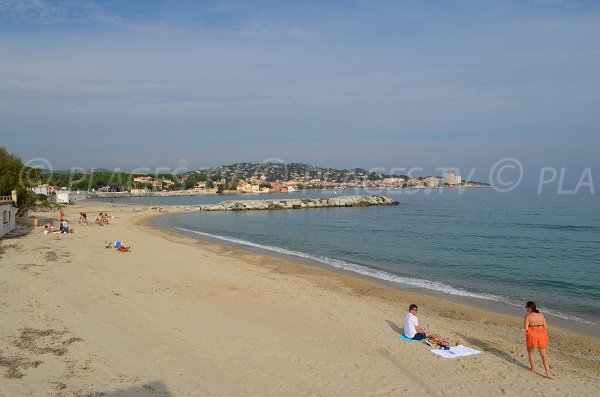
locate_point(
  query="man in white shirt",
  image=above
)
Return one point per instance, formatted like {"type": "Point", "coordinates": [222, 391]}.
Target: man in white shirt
{"type": "Point", "coordinates": [411, 325]}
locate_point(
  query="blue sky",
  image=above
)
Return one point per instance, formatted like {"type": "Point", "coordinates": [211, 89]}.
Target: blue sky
{"type": "Point", "coordinates": [388, 84]}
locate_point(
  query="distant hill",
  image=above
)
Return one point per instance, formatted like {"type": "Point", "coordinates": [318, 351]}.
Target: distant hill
{"type": "Point", "coordinates": [272, 172]}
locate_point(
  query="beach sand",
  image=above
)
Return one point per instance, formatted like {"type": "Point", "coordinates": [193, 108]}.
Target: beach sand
{"type": "Point", "coordinates": [181, 317]}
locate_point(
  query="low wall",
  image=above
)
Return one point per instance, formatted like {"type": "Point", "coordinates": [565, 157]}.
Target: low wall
{"type": "Point", "coordinates": [28, 221]}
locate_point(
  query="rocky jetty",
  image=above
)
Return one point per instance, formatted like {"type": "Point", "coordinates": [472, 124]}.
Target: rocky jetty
{"type": "Point", "coordinates": [293, 204]}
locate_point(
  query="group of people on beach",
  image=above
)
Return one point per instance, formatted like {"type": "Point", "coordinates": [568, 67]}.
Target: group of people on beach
{"type": "Point", "coordinates": [49, 229]}
{"type": "Point", "coordinates": [536, 333]}
{"type": "Point", "coordinates": [102, 218]}
{"type": "Point", "coordinates": [63, 227]}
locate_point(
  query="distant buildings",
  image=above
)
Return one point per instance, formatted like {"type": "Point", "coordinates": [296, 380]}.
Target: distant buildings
{"type": "Point", "coordinates": [44, 189]}
{"type": "Point", "coordinates": [159, 183]}
{"type": "Point", "coordinates": [451, 179]}
{"type": "Point", "coordinates": [251, 178]}
{"type": "Point", "coordinates": [431, 181]}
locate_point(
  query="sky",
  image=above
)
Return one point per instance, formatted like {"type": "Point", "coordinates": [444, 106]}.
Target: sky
{"type": "Point", "coordinates": [389, 85]}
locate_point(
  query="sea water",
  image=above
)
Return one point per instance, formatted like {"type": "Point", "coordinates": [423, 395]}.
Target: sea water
{"type": "Point", "coordinates": [478, 243]}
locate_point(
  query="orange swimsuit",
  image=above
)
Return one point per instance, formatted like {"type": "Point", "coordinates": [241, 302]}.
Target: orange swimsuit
{"type": "Point", "coordinates": [536, 336]}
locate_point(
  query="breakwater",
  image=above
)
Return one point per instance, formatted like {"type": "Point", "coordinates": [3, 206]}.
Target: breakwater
{"type": "Point", "coordinates": [293, 204]}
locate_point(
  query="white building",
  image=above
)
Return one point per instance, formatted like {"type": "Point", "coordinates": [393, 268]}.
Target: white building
{"type": "Point", "coordinates": [450, 178]}
{"type": "Point", "coordinates": [63, 197]}
{"type": "Point", "coordinates": [432, 181]}
{"type": "Point", "coordinates": [8, 213]}
{"type": "Point", "coordinates": [44, 189]}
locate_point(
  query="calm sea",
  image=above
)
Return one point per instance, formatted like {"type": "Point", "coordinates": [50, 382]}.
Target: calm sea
{"type": "Point", "coordinates": [479, 243]}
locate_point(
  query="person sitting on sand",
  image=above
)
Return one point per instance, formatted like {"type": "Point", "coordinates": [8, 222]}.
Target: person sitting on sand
{"type": "Point", "coordinates": [64, 226]}
{"type": "Point", "coordinates": [536, 335]}
{"type": "Point", "coordinates": [123, 248]}
{"type": "Point", "coordinates": [50, 229]}
{"type": "Point", "coordinates": [102, 219]}
{"type": "Point", "coordinates": [411, 325]}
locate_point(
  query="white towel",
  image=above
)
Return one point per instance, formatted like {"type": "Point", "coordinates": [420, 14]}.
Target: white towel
{"type": "Point", "coordinates": [455, 351]}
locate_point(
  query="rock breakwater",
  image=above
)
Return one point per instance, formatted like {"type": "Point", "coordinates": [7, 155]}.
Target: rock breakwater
{"type": "Point", "coordinates": [292, 204]}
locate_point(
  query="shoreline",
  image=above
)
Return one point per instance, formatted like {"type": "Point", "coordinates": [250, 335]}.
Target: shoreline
{"type": "Point", "coordinates": [180, 316]}
{"type": "Point", "coordinates": [502, 308]}
{"type": "Point", "coordinates": [461, 308]}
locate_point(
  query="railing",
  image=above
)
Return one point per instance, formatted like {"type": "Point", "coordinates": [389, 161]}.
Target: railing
{"type": "Point", "coordinates": [6, 198]}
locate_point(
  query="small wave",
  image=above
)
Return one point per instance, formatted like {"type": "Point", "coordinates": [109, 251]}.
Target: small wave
{"type": "Point", "coordinates": [352, 267]}
{"type": "Point", "coordinates": [569, 317]}
{"type": "Point", "coordinates": [382, 275]}
{"type": "Point", "coordinates": [569, 228]}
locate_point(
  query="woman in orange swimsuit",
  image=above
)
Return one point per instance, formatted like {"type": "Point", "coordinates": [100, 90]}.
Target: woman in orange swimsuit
{"type": "Point", "coordinates": [536, 335]}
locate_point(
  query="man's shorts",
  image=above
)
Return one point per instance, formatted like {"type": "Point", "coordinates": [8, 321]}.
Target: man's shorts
{"type": "Point", "coordinates": [419, 336]}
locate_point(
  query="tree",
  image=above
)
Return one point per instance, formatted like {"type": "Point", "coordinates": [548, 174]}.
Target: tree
{"type": "Point", "coordinates": [234, 183]}
{"type": "Point", "coordinates": [13, 176]}
{"type": "Point", "coordinates": [10, 172]}
{"type": "Point", "coordinates": [36, 174]}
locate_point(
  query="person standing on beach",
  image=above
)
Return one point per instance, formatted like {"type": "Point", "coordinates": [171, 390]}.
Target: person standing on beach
{"type": "Point", "coordinates": [411, 325]}
{"type": "Point", "coordinates": [536, 335]}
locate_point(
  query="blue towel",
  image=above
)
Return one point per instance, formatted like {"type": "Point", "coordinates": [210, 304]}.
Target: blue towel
{"type": "Point", "coordinates": [405, 339]}
{"type": "Point", "coordinates": [118, 244]}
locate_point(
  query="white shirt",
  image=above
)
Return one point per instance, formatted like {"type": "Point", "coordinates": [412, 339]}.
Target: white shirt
{"type": "Point", "coordinates": [411, 322]}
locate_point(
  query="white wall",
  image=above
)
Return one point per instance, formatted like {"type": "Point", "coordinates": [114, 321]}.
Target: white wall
{"type": "Point", "coordinates": [62, 197]}
{"type": "Point", "coordinates": [7, 218]}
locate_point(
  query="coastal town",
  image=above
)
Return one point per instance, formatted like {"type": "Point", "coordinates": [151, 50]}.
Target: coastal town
{"type": "Point", "coordinates": [236, 178]}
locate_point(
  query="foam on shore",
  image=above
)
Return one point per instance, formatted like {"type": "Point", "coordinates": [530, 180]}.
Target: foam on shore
{"type": "Point", "coordinates": [382, 275]}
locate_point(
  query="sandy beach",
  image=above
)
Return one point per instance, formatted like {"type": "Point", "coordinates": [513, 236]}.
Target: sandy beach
{"type": "Point", "coordinates": [181, 317]}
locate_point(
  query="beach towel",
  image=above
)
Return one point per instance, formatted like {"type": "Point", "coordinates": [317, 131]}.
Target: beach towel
{"type": "Point", "coordinates": [118, 244]}
{"type": "Point", "coordinates": [405, 339]}
{"type": "Point", "coordinates": [455, 351]}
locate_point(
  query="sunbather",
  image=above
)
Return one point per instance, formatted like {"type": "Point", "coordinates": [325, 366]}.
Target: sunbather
{"type": "Point", "coordinates": [49, 229]}
{"type": "Point", "coordinates": [411, 325]}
